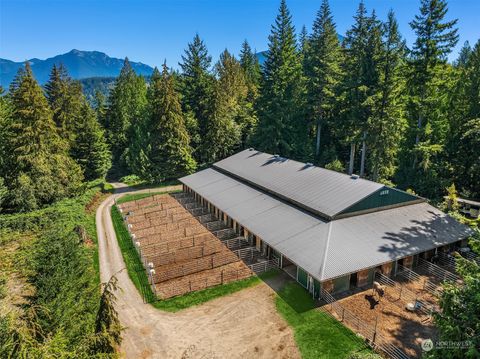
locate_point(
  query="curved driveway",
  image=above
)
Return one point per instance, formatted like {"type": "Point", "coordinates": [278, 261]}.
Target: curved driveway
{"type": "Point", "coordinates": [242, 325]}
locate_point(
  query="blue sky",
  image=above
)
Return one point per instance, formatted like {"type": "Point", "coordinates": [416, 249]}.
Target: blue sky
{"type": "Point", "coordinates": [151, 31]}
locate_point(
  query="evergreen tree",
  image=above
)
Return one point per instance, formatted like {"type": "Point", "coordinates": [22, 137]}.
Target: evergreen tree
{"type": "Point", "coordinates": [197, 90]}
{"type": "Point", "coordinates": [361, 81]}
{"type": "Point", "coordinates": [303, 42]}
{"type": "Point", "coordinates": [464, 135]}
{"type": "Point", "coordinates": [90, 149]}
{"type": "Point", "coordinates": [429, 84]}
{"type": "Point", "coordinates": [126, 106]}
{"type": "Point", "coordinates": [231, 120]}
{"type": "Point", "coordinates": [40, 170]}
{"type": "Point", "coordinates": [170, 154]}
{"type": "Point", "coordinates": [282, 125]}
{"type": "Point", "coordinates": [251, 69]}
{"type": "Point", "coordinates": [108, 328]}
{"type": "Point", "coordinates": [100, 106]}
{"type": "Point", "coordinates": [323, 71]}
{"type": "Point", "coordinates": [463, 56]}
{"type": "Point", "coordinates": [387, 124]}
{"type": "Point", "coordinates": [65, 98]}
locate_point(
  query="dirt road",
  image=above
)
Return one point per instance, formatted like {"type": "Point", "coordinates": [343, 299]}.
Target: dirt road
{"type": "Point", "coordinates": [242, 325]}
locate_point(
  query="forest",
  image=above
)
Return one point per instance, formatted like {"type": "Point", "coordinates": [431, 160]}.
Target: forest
{"type": "Point", "coordinates": [363, 103]}
{"type": "Point", "coordinates": [366, 104]}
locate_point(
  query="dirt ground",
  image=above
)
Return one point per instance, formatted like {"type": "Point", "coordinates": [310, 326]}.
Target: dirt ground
{"type": "Point", "coordinates": [417, 287]}
{"type": "Point", "coordinates": [242, 325]}
{"type": "Point", "coordinates": [404, 329]}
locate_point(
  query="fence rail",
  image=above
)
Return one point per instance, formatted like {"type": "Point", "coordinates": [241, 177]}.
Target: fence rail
{"type": "Point", "coordinates": [410, 275]}
{"type": "Point", "coordinates": [404, 294]}
{"type": "Point", "coordinates": [368, 331]}
{"type": "Point", "coordinates": [265, 265]}
{"type": "Point", "coordinates": [437, 271]}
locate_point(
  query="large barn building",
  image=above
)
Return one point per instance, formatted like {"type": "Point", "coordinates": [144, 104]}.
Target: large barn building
{"type": "Point", "coordinates": [327, 229]}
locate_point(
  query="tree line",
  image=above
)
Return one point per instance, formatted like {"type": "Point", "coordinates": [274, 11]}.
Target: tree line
{"type": "Point", "coordinates": [366, 104]}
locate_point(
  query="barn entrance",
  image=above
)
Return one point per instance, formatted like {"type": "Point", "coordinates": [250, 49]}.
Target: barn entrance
{"type": "Point", "coordinates": [353, 280]}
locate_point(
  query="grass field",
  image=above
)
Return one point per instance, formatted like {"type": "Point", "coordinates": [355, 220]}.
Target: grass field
{"type": "Point", "coordinates": [139, 277]}
{"type": "Point", "coordinates": [137, 196]}
{"type": "Point", "coordinates": [316, 333]}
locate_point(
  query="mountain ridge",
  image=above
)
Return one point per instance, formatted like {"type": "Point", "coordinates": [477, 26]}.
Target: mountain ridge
{"type": "Point", "coordinates": [80, 65]}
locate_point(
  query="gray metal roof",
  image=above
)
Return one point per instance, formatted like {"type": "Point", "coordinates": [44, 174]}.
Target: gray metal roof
{"type": "Point", "coordinates": [328, 249]}
{"type": "Point", "coordinates": [317, 189]}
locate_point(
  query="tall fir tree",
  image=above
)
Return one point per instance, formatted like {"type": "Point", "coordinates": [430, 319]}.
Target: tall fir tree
{"type": "Point", "coordinates": [197, 85]}
{"type": "Point", "coordinates": [251, 68]}
{"type": "Point", "coordinates": [429, 84]}
{"type": "Point", "coordinates": [231, 120]}
{"type": "Point", "coordinates": [90, 149]}
{"type": "Point", "coordinates": [359, 82]}
{"type": "Point", "coordinates": [65, 98]}
{"type": "Point", "coordinates": [387, 124]}
{"type": "Point", "coordinates": [170, 154]}
{"type": "Point", "coordinates": [282, 125]}
{"type": "Point", "coordinates": [126, 106]}
{"type": "Point", "coordinates": [323, 71]}
{"type": "Point", "coordinates": [464, 134]}
{"type": "Point", "coordinates": [40, 170]}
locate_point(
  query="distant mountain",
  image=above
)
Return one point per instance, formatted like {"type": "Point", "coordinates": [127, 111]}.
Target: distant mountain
{"type": "Point", "coordinates": [80, 65]}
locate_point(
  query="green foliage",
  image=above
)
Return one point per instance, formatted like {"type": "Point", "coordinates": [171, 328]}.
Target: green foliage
{"type": "Point", "coordinates": [230, 120]}
{"type": "Point", "coordinates": [282, 127]}
{"type": "Point", "coordinates": [89, 148]}
{"type": "Point", "coordinates": [65, 98]}
{"type": "Point", "coordinates": [316, 333]}
{"type": "Point", "coordinates": [107, 325]}
{"type": "Point", "coordinates": [126, 106]}
{"type": "Point", "coordinates": [335, 165]}
{"type": "Point", "coordinates": [323, 60]}
{"type": "Point", "coordinates": [429, 81]}
{"type": "Point", "coordinates": [198, 92]}
{"type": "Point", "coordinates": [169, 153]}
{"type": "Point", "coordinates": [58, 318]}
{"type": "Point", "coordinates": [37, 168]}
{"type": "Point", "coordinates": [458, 320]}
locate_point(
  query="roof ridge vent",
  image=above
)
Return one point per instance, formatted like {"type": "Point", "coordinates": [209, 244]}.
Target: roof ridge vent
{"type": "Point", "coordinates": [354, 176]}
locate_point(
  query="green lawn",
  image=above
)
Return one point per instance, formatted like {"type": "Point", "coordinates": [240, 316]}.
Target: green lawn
{"type": "Point", "coordinates": [316, 333]}
{"type": "Point", "coordinates": [136, 182]}
{"type": "Point", "coordinates": [136, 196]}
{"type": "Point", "coordinates": [139, 277]}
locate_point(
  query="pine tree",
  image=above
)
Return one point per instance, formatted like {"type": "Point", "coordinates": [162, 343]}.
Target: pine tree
{"type": "Point", "coordinates": [41, 170]}
{"type": "Point", "coordinates": [197, 89]}
{"type": "Point", "coordinates": [360, 80]}
{"type": "Point", "coordinates": [387, 124]}
{"type": "Point", "coordinates": [429, 84]}
{"type": "Point", "coordinates": [90, 149]}
{"type": "Point", "coordinates": [170, 154]}
{"type": "Point", "coordinates": [232, 120]}
{"type": "Point", "coordinates": [323, 71]}
{"type": "Point", "coordinates": [126, 105]}
{"type": "Point", "coordinates": [464, 135]}
{"type": "Point", "coordinates": [251, 69]}
{"type": "Point", "coordinates": [65, 98]}
{"type": "Point", "coordinates": [282, 126]}
{"type": "Point", "coordinates": [463, 56]}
